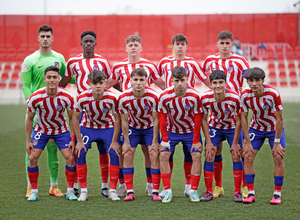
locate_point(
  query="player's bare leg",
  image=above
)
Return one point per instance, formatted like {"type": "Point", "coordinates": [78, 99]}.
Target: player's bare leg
{"type": "Point", "coordinates": [147, 163]}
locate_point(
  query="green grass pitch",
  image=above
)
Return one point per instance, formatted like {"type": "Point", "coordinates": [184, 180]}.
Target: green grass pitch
{"type": "Point", "coordinates": [13, 204]}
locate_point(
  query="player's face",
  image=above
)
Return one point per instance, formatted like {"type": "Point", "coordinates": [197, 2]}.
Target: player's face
{"type": "Point", "coordinates": [225, 46]}
{"type": "Point", "coordinates": [256, 85]}
{"type": "Point", "coordinates": [52, 79]}
{"type": "Point", "coordinates": [88, 43]}
{"type": "Point", "coordinates": [138, 82]}
{"type": "Point", "coordinates": [98, 88]}
{"type": "Point", "coordinates": [180, 47]}
{"type": "Point", "coordinates": [45, 39]}
{"type": "Point", "coordinates": [133, 48]}
{"type": "Point", "coordinates": [180, 85]}
{"type": "Point", "coordinates": [218, 86]}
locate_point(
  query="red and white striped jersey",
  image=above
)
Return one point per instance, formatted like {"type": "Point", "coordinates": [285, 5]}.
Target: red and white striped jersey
{"type": "Point", "coordinates": [81, 67]}
{"type": "Point", "coordinates": [193, 69]}
{"type": "Point", "coordinates": [263, 107]}
{"type": "Point", "coordinates": [233, 66]}
{"type": "Point", "coordinates": [98, 113]}
{"type": "Point", "coordinates": [139, 110]}
{"type": "Point", "coordinates": [122, 72]}
{"type": "Point", "coordinates": [180, 110]}
{"type": "Point", "coordinates": [51, 117]}
{"type": "Point", "coordinates": [222, 114]}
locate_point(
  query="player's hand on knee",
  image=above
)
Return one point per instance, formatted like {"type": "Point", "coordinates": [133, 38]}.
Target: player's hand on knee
{"type": "Point", "coordinates": [79, 147]}
{"type": "Point", "coordinates": [210, 150]}
{"type": "Point", "coordinates": [29, 147]}
{"type": "Point", "coordinates": [235, 150]}
{"type": "Point", "coordinates": [247, 148]}
{"type": "Point", "coordinates": [155, 147]}
{"type": "Point", "coordinates": [72, 147]}
{"type": "Point", "coordinates": [198, 146]}
{"type": "Point", "coordinates": [278, 149]}
{"type": "Point", "coordinates": [164, 146]}
{"type": "Point", "coordinates": [115, 147]}
{"type": "Point", "coordinates": [126, 148]}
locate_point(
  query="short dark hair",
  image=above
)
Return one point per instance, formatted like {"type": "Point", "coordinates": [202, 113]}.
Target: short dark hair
{"type": "Point", "coordinates": [45, 28]}
{"type": "Point", "coordinates": [139, 72]}
{"type": "Point", "coordinates": [88, 33]}
{"type": "Point", "coordinates": [52, 68]}
{"type": "Point", "coordinates": [179, 37]}
{"type": "Point", "coordinates": [225, 34]}
{"type": "Point", "coordinates": [255, 73]}
{"type": "Point", "coordinates": [217, 74]}
{"type": "Point", "coordinates": [96, 76]}
{"type": "Point", "coordinates": [133, 38]}
{"type": "Point", "coordinates": [178, 72]}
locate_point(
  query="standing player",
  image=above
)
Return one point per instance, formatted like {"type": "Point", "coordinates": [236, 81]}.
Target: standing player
{"type": "Point", "coordinates": [224, 124]}
{"type": "Point", "coordinates": [99, 106]}
{"type": "Point", "coordinates": [266, 122]}
{"type": "Point", "coordinates": [80, 66]}
{"type": "Point", "coordinates": [121, 73]}
{"type": "Point", "coordinates": [138, 109]}
{"type": "Point", "coordinates": [235, 66]}
{"type": "Point", "coordinates": [50, 102]}
{"type": "Point", "coordinates": [180, 121]}
{"type": "Point", "coordinates": [194, 70]}
{"type": "Point", "coordinates": [32, 79]}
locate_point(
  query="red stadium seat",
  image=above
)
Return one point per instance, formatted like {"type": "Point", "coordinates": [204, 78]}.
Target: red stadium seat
{"type": "Point", "coordinates": [15, 76]}
{"type": "Point", "coordinates": [271, 65]}
{"type": "Point", "coordinates": [4, 76]}
{"type": "Point", "coordinates": [281, 66]}
{"type": "Point", "coordinates": [291, 66]}
{"type": "Point", "coordinates": [13, 85]}
{"type": "Point", "coordinates": [2, 85]}
{"type": "Point", "coordinates": [293, 75]}
{"type": "Point", "coordinates": [272, 75]}
{"type": "Point", "coordinates": [273, 83]}
{"type": "Point", "coordinates": [282, 75]}
{"type": "Point", "coordinates": [283, 83]}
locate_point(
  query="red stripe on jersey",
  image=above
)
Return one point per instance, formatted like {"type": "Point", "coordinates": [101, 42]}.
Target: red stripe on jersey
{"type": "Point", "coordinates": [180, 110]}
{"type": "Point", "coordinates": [140, 111]}
{"type": "Point", "coordinates": [51, 119]}
{"type": "Point", "coordinates": [222, 114]}
{"type": "Point", "coordinates": [98, 113]}
{"type": "Point", "coordinates": [194, 70]}
{"type": "Point", "coordinates": [263, 107]}
{"type": "Point", "coordinates": [233, 66]}
{"type": "Point", "coordinates": [122, 71]}
{"type": "Point", "coordinates": [81, 67]}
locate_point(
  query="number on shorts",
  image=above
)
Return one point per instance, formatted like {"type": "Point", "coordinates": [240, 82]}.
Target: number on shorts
{"type": "Point", "coordinates": [251, 136]}
{"type": "Point", "coordinates": [85, 139]}
{"type": "Point", "coordinates": [213, 132]}
{"type": "Point", "coordinates": [37, 135]}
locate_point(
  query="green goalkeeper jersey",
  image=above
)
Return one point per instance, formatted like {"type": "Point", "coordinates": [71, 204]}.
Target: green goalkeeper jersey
{"type": "Point", "coordinates": [33, 70]}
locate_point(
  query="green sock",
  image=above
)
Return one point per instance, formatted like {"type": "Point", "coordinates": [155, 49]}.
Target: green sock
{"type": "Point", "coordinates": [53, 163]}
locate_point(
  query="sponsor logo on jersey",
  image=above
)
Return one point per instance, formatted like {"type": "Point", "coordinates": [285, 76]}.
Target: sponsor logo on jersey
{"type": "Point", "coordinates": [230, 69]}
{"type": "Point", "coordinates": [56, 64]}
{"type": "Point", "coordinates": [95, 67]}
{"type": "Point", "coordinates": [146, 106]}
{"type": "Point", "coordinates": [58, 107]}
{"type": "Point", "coordinates": [40, 66]}
{"type": "Point", "coordinates": [24, 67]}
{"type": "Point", "coordinates": [105, 109]}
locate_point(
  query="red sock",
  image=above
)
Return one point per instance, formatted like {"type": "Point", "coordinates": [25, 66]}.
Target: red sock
{"type": "Point", "coordinates": [33, 178]}
{"type": "Point", "coordinates": [114, 175]}
{"type": "Point", "coordinates": [149, 179]}
{"type": "Point", "coordinates": [171, 165]}
{"type": "Point", "coordinates": [121, 181]}
{"type": "Point", "coordinates": [70, 177]}
{"type": "Point", "coordinates": [250, 186]}
{"type": "Point", "coordinates": [166, 179]}
{"type": "Point", "coordinates": [82, 173]}
{"type": "Point", "coordinates": [75, 176]}
{"type": "Point", "coordinates": [156, 181]}
{"type": "Point", "coordinates": [128, 181]}
{"type": "Point", "coordinates": [238, 175]}
{"type": "Point", "coordinates": [104, 161]}
{"type": "Point", "coordinates": [278, 188]}
{"type": "Point", "coordinates": [208, 178]}
{"type": "Point", "coordinates": [187, 171]}
{"type": "Point", "coordinates": [195, 179]}
{"type": "Point", "coordinates": [218, 166]}
{"type": "Point", "coordinates": [244, 181]}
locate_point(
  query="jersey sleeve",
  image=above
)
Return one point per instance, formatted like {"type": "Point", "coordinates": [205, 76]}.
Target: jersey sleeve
{"type": "Point", "coordinates": [154, 73]}
{"type": "Point", "coordinates": [26, 78]}
{"type": "Point", "coordinates": [199, 72]}
{"type": "Point", "coordinates": [70, 105]}
{"type": "Point", "coordinates": [238, 107]}
{"type": "Point", "coordinates": [198, 106]}
{"type": "Point", "coordinates": [204, 109]}
{"type": "Point", "coordinates": [161, 107]}
{"type": "Point", "coordinates": [122, 106]}
{"type": "Point", "coordinates": [244, 107]}
{"type": "Point", "coordinates": [30, 105]}
{"type": "Point", "coordinates": [115, 73]}
{"type": "Point", "coordinates": [277, 103]}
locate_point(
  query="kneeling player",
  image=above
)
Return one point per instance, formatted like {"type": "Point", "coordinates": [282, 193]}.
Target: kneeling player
{"type": "Point", "coordinates": [180, 121]}
{"type": "Point", "coordinates": [51, 102]}
{"type": "Point", "coordinates": [97, 125]}
{"type": "Point", "coordinates": [138, 109]}
{"type": "Point", "coordinates": [266, 122]}
{"type": "Point", "coordinates": [224, 124]}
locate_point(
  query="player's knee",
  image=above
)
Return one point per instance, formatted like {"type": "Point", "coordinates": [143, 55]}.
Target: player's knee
{"type": "Point", "coordinates": [235, 156]}
{"type": "Point", "coordinates": [128, 155]}
{"type": "Point", "coordinates": [196, 157]}
{"type": "Point", "coordinates": [164, 157]}
{"type": "Point", "coordinates": [278, 159]}
{"type": "Point", "coordinates": [33, 159]}
{"type": "Point", "coordinates": [248, 157]}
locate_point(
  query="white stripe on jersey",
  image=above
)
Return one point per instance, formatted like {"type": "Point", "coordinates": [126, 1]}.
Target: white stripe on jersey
{"type": "Point", "coordinates": [122, 72]}
{"type": "Point", "coordinates": [98, 113]}
{"type": "Point", "coordinates": [233, 66]}
{"type": "Point", "coordinates": [263, 107]}
{"type": "Point", "coordinates": [139, 110]}
{"type": "Point", "coordinates": [180, 110]}
{"type": "Point", "coordinates": [81, 67]}
{"type": "Point", "coordinates": [222, 114]}
{"type": "Point", "coordinates": [51, 118]}
{"type": "Point", "coordinates": [193, 69]}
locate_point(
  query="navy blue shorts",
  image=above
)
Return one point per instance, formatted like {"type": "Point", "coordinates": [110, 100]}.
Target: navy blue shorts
{"type": "Point", "coordinates": [219, 135]}
{"type": "Point", "coordinates": [40, 140]}
{"type": "Point", "coordinates": [140, 136]}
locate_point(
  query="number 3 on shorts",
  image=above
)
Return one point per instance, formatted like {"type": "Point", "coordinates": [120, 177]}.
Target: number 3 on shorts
{"type": "Point", "coordinates": [212, 132]}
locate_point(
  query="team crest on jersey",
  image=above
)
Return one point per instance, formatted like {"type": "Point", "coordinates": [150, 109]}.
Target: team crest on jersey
{"type": "Point", "coordinates": [24, 67]}
{"type": "Point", "coordinates": [187, 107]}
{"type": "Point", "coordinates": [124, 73]}
{"type": "Point", "coordinates": [95, 67]}
{"type": "Point", "coordinates": [56, 64]}
{"type": "Point", "coordinates": [59, 107]}
{"type": "Point", "coordinates": [105, 109]}
{"type": "Point", "coordinates": [146, 106]}
{"type": "Point", "coordinates": [169, 69]}
{"type": "Point", "coordinates": [230, 69]}
{"type": "Point", "coordinates": [226, 111]}
{"type": "Point", "coordinates": [266, 105]}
